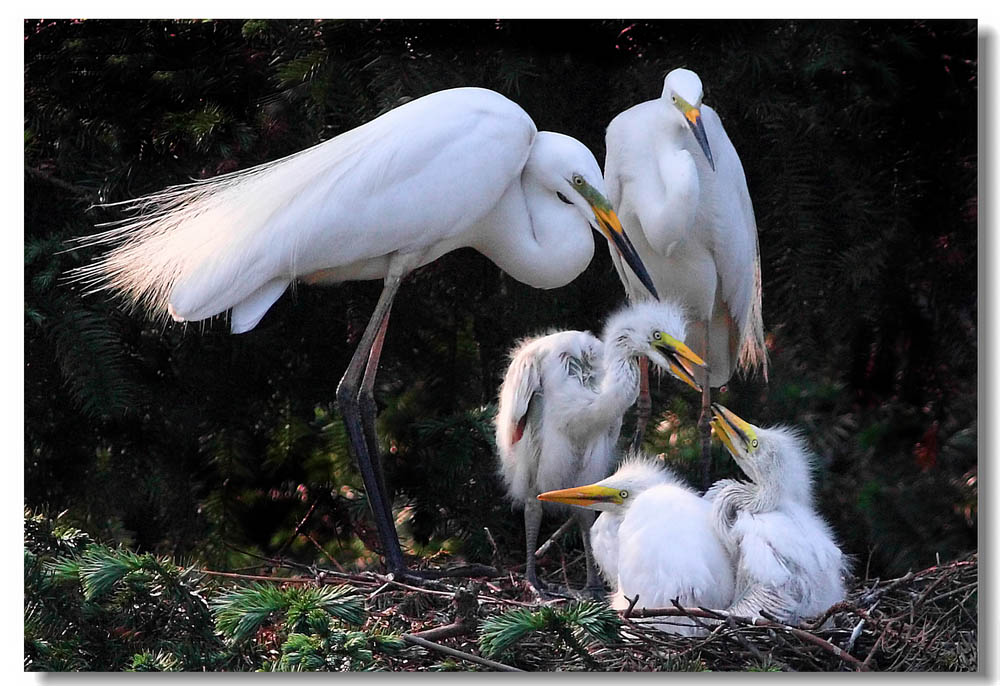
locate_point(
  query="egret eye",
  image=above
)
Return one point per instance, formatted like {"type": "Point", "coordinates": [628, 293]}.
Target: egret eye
{"type": "Point", "coordinates": [623, 494]}
{"type": "Point", "coordinates": [563, 198]}
{"type": "Point", "coordinates": [673, 99]}
{"type": "Point", "coordinates": [753, 443]}
{"type": "Point", "coordinates": [577, 180]}
{"type": "Point", "coordinates": [657, 335]}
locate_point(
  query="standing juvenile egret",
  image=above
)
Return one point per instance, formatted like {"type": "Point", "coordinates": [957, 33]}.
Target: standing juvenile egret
{"type": "Point", "coordinates": [655, 538]}
{"type": "Point", "coordinates": [458, 168]}
{"type": "Point", "coordinates": [677, 184]}
{"type": "Point", "coordinates": [562, 402]}
{"type": "Point", "coordinates": [787, 562]}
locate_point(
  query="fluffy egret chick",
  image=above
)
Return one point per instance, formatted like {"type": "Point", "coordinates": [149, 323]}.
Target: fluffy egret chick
{"type": "Point", "coordinates": [678, 187]}
{"type": "Point", "coordinates": [787, 562]}
{"type": "Point", "coordinates": [656, 537]}
{"type": "Point", "coordinates": [562, 402]}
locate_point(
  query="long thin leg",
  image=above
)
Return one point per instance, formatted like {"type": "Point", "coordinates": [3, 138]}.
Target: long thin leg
{"type": "Point", "coordinates": [585, 518]}
{"type": "Point", "coordinates": [347, 400]}
{"type": "Point", "coordinates": [532, 522]}
{"type": "Point", "coordinates": [368, 410]}
{"type": "Point", "coordinates": [704, 421]}
{"type": "Point", "coordinates": [644, 405]}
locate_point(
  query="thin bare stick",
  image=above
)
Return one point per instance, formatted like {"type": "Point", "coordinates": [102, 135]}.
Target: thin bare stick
{"type": "Point", "coordinates": [423, 643]}
{"type": "Point", "coordinates": [298, 529]}
{"type": "Point", "coordinates": [544, 548]}
{"type": "Point", "coordinates": [439, 633]}
{"type": "Point", "coordinates": [757, 621]}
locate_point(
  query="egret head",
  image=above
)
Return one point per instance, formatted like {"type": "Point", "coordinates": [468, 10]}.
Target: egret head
{"type": "Point", "coordinates": [566, 168]}
{"type": "Point", "coordinates": [776, 459]}
{"type": "Point", "coordinates": [615, 493]}
{"type": "Point", "coordinates": [656, 330]}
{"type": "Point", "coordinates": [682, 88]}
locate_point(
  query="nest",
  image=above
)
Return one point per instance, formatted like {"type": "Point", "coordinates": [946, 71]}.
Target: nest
{"type": "Point", "coordinates": [922, 621]}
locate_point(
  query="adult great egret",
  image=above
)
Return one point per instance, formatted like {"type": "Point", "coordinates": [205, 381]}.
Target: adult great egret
{"type": "Point", "coordinates": [655, 539]}
{"type": "Point", "coordinates": [561, 407]}
{"type": "Point", "coordinates": [787, 562]}
{"type": "Point", "coordinates": [457, 168]}
{"type": "Point", "coordinates": [678, 186]}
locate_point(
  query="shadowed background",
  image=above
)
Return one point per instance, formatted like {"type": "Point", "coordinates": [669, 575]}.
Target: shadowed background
{"type": "Point", "coordinates": [858, 139]}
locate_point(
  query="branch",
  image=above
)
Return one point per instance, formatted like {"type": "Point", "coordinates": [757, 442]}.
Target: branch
{"type": "Point", "coordinates": [756, 621]}
{"type": "Point", "coordinates": [423, 643]}
{"type": "Point", "coordinates": [79, 191]}
{"type": "Point", "coordinates": [544, 548]}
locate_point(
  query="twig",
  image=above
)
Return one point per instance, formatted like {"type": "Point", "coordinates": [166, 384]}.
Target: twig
{"type": "Point", "coordinates": [256, 577]}
{"type": "Point", "coordinates": [544, 548]}
{"type": "Point", "coordinates": [298, 529]}
{"type": "Point", "coordinates": [424, 643]}
{"type": "Point", "coordinates": [459, 627]}
{"type": "Point", "coordinates": [79, 191]}
{"type": "Point", "coordinates": [757, 621]}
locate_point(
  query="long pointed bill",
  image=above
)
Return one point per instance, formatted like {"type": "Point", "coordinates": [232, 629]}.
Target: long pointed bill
{"type": "Point", "coordinates": [682, 361]}
{"type": "Point", "coordinates": [583, 496]}
{"type": "Point", "coordinates": [693, 117]}
{"type": "Point", "coordinates": [611, 227]}
{"type": "Point", "coordinates": [733, 431]}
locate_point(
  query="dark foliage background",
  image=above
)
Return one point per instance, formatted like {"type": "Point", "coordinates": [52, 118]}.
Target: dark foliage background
{"type": "Point", "coordinates": [859, 143]}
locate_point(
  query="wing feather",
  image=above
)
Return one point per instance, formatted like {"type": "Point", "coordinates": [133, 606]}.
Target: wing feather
{"type": "Point", "coordinates": [383, 187]}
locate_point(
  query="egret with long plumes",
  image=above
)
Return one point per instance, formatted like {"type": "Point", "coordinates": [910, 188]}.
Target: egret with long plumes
{"type": "Point", "coordinates": [678, 186]}
{"type": "Point", "coordinates": [457, 168]}
{"type": "Point", "coordinates": [562, 402]}
{"type": "Point", "coordinates": [656, 540]}
{"type": "Point", "coordinates": [787, 562]}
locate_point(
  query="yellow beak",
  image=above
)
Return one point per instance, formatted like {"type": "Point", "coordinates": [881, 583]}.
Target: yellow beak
{"type": "Point", "coordinates": [682, 361]}
{"type": "Point", "coordinates": [583, 496]}
{"type": "Point", "coordinates": [732, 430]}
{"type": "Point", "coordinates": [611, 227]}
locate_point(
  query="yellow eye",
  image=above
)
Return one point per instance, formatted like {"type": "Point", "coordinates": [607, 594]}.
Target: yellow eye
{"type": "Point", "coordinates": [577, 180]}
{"type": "Point", "coordinates": [623, 494]}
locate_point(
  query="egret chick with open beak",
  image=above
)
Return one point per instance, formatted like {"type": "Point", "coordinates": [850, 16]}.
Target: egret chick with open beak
{"type": "Point", "coordinates": [562, 403]}
{"type": "Point", "coordinates": [787, 561]}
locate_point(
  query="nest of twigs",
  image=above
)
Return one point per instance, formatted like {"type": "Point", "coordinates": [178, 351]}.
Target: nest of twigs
{"type": "Point", "coordinates": [922, 621]}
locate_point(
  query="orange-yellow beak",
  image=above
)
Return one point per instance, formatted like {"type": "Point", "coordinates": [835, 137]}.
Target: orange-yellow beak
{"type": "Point", "coordinates": [583, 496]}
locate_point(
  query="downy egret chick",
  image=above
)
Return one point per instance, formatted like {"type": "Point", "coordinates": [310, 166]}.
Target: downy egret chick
{"type": "Point", "coordinates": [787, 561]}
{"type": "Point", "coordinates": [562, 402]}
{"type": "Point", "coordinates": [655, 537]}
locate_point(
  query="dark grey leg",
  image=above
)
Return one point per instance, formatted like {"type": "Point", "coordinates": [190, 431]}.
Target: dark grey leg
{"type": "Point", "coordinates": [350, 408]}
{"type": "Point", "coordinates": [532, 522]}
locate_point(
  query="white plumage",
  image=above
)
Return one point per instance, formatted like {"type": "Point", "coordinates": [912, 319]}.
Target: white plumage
{"type": "Point", "coordinates": [461, 167]}
{"type": "Point", "coordinates": [655, 538]}
{"type": "Point", "coordinates": [458, 168]}
{"type": "Point", "coordinates": [787, 562]}
{"type": "Point", "coordinates": [562, 401]}
{"type": "Point", "coordinates": [678, 186]}
{"type": "Point", "coordinates": [693, 226]}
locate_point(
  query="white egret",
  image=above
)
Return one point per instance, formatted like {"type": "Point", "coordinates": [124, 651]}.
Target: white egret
{"type": "Point", "coordinates": [458, 168]}
{"type": "Point", "coordinates": [787, 562]}
{"type": "Point", "coordinates": [656, 540]}
{"type": "Point", "coordinates": [678, 186]}
{"type": "Point", "coordinates": [561, 407]}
